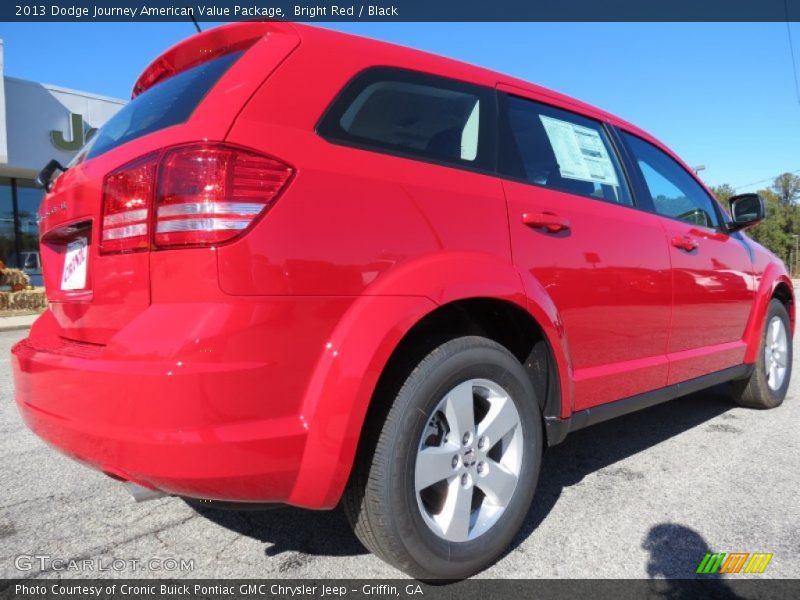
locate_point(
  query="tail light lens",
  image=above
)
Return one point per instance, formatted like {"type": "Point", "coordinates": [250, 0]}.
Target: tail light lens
{"type": "Point", "coordinates": [127, 196]}
{"type": "Point", "coordinates": [202, 195]}
{"type": "Point", "coordinates": [210, 194]}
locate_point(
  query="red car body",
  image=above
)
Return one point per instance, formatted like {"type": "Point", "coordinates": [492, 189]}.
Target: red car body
{"type": "Point", "coordinates": [243, 371]}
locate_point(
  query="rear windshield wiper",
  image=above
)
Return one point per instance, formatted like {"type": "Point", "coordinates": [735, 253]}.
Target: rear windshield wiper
{"type": "Point", "coordinates": [45, 176]}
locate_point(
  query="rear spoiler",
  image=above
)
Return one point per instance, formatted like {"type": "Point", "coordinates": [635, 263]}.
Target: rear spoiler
{"type": "Point", "coordinates": [203, 47]}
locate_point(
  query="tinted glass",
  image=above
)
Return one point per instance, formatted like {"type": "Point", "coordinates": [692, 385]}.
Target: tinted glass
{"type": "Point", "coordinates": [165, 104]}
{"type": "Point", "coordinates": [7, 251]}
{"type": "Point", "coordinates": [675, 193]}
{"type": "Point", "coordinates": [560, 150]}
{"type": "Point", "coordinates": [28, 199]}
{"type": "Point", "coordinates": [413, 114]}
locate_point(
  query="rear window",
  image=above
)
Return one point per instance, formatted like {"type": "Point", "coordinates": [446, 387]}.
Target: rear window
{"type": "Point", "coordinates": [165, 104]}
{"type": "Point", "coordinates": [413, 114]}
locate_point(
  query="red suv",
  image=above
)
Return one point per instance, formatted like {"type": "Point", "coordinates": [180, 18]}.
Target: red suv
{"type": "Point", "coordinates": [303, 267]}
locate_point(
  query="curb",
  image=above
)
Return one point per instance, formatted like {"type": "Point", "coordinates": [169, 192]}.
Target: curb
{"type": "Point", "coordinates": [20, 323]}
{"type": "Point", "coordinates": [4, 328]}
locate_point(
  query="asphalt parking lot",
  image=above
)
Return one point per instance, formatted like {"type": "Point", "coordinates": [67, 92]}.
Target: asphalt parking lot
{"type": "Point", "coordinates": [646, 495]}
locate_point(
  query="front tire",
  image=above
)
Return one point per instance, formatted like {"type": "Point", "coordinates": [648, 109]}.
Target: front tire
{"type": "Point", "coordinates": [443, 481]}
{"type": "Point", "coordinates": [767, 386]}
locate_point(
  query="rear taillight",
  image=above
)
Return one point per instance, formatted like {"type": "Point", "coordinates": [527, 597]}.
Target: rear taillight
{"type": "Point", "coordinates": [202, 195]}
{"type": "Point", "coordinates": [127, 198]}
{"type": "Point", "coordinates": [209, 194]}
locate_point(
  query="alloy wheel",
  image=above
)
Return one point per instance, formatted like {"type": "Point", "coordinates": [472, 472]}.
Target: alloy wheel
{"type": "Point", "coordinates": [469, 460]}
{"type": "Point", "coordinates": [776, 346]}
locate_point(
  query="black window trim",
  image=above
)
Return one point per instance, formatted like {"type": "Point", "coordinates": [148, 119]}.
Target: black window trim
{"type": "Point", "coordinates": [645, 191]}
{"type": "Point", "coordinates": [485, 163]}
{"type": "Point", "coordinates": [638, 188]}
{"type": "Point", "coordinates": [504, 125]}
{"type": "Point", "coordinates": [491, 138]}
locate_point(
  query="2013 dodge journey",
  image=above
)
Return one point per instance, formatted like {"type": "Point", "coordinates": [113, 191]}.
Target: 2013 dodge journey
{"type": "Point", "coordinates": [307, 268]}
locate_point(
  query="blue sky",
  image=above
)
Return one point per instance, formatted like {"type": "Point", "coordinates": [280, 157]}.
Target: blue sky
{"type": "Point", "coordinates": [722, 95]}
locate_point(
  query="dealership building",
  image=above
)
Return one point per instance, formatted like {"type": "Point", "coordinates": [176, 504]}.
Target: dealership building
{"type": "Point", "coordinates": [38, 122]}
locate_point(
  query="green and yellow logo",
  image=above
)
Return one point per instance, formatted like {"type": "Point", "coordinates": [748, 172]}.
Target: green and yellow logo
{"type": "Point", "coordinates": [734, 562]}
{"type": "Point", "coordinates": [80, 135]}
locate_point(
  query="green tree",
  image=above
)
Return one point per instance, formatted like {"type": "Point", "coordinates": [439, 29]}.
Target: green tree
{"type": "Point", "coordinates": [787, 186]}
{"type": "Point", "coordinates": [775, 232]}
{"type": "Point", "coordinates": [723, 193]}
{"type": "Point", "coordinates": [778, 231]}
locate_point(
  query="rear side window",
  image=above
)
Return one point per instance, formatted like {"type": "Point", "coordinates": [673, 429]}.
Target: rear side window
{"type": "Point", "coordinates": [557, 149]}
{"type": "Point", "coordinates": [675, 193]}
{"type": "Point", "coordinates": [165, 104]}
{"type": "Point", "coordinates": [415, 115]}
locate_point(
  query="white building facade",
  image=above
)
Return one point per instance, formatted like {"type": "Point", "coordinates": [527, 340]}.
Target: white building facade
{"type": "Point", "coordinates": [38, 122]}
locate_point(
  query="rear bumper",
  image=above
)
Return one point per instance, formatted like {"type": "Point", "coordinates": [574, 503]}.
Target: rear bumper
{"type": "Point", "coordinates": [176, 405]}
{"type": "Point", "coordinates": [85, 410]}
{"type": "Point", "coordinates": [254, 400]}
{"type": "Point", "coordinates": [218, 463]}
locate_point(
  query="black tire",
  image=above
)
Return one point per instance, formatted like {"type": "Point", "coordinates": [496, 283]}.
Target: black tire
{"type": "Point", "coordinates": [381, 498]}
{"type": "Point", "coordinates": [755, 392]}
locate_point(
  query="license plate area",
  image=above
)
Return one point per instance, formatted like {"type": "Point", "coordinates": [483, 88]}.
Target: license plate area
{"type": "Point", "coordinates": [68, 261]}
{"type": "Point", "coordinates": [76, 265]}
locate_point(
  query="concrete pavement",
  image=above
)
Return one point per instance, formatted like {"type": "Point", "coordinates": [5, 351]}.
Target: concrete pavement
{"type": "Point", "coordinates": [646, 495]}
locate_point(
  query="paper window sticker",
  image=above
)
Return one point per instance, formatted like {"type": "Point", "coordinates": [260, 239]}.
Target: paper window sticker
{"type": "Point", "coordinates": [580, 152]}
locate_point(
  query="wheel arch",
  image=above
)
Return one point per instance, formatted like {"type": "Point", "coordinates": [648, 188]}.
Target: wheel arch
{"type": "Point", "coordinates": [500, 320]}
{"type": "Point", "coordinates": [466, 294]}
{"type": "Point", "coordinates": [774, 284]}
{"type": "Point", "coordinates": [784, 292]}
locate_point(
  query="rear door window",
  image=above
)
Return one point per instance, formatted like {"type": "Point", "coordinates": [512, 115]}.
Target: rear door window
{"type": "Point", "coordinates": [415, 115]}
{"type": "Point", "coordinates": [554, 148]}
{"type": "Point", "coordinates": [165, 104]}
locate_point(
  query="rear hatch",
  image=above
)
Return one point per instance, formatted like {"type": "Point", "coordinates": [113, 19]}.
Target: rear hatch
{"type": "Point", "coordinates": [191, 93]}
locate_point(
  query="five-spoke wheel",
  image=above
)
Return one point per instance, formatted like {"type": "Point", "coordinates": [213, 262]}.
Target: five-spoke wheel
{"type": "Point", "coordinates": [445, 481]}
{"type": "Point", "coordinates": [776, 347]}
{"type": "Point", "coordinates": [766, 387]}
{"type": "Point", "coordinates": [469, 460]}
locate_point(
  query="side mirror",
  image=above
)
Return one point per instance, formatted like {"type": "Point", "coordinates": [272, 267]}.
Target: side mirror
{"type": "Point", "coordinates": [747, 210]}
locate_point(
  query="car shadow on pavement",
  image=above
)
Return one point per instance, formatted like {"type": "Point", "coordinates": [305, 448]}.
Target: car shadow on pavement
{"type": "Point", "coordinates": [289, 529]}
{"type": "Point", "coordinates": [588, 450]}
{"type": "Point", "coordinates": [327, 533]}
